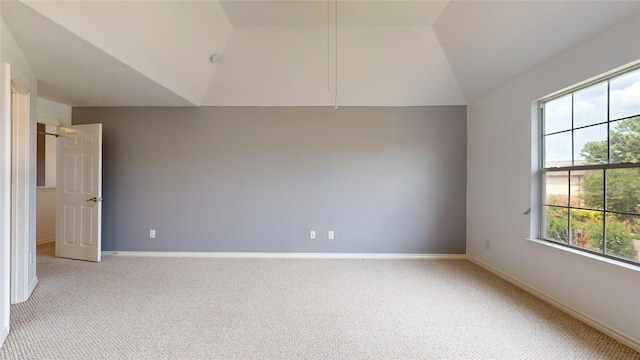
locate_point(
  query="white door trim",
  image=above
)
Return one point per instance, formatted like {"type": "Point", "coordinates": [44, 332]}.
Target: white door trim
{"type": "Point", "coordinates": [5, 196]}
{"type": "Point", "coordinates": [21, 184]}
{"type": "Point", "coordinates": [3, 335]}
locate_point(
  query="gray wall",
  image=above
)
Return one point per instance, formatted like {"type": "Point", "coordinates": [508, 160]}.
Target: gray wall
{"type": "Point", "coordinates": [386, 180]}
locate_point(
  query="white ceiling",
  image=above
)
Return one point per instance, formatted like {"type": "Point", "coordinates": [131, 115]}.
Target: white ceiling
{"type": "Point", "coordinates": [489, 43]}
{"type": "Point", "coordinates": [312, 13]}
{"type": "Point", "coordinates": [283, 53]}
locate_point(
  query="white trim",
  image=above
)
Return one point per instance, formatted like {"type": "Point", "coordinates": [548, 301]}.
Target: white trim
{"type": "Point", "coordinates": [3, 335]}
{"type": "Point", "coordinates": [536, 176]}
{"type": "Point", "coordinates": [46, 241]}
{"type": "Point", "coordinates": [5, 199]}
{"type": "Point", "coordinates": [594, 79]}
{"type": "Point", "coordinates": [626, 340]}
{"type": "Point", "coordinates": [274, 255]}
{"type": "Point", "coordinates": [20, 190]}
{"type": "Point", "coordinates": [33, 285]}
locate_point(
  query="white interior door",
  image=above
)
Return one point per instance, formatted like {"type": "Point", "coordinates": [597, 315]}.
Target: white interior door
{"type": "Point", "coordinates": [79, 192]}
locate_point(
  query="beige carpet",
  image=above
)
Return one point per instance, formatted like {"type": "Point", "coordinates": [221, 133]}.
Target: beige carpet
{"type": "Point", "coordinates": [186, 308]}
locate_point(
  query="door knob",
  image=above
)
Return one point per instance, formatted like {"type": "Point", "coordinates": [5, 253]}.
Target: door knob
{"type": "Point", "coordinates": [94, 199]}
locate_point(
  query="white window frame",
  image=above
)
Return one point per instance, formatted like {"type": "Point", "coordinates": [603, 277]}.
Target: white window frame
{"type": "Point", "coordinates": [542, 170]}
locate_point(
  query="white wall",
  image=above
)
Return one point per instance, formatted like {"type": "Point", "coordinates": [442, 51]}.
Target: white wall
{"type": "Point", "coordinates": [46, 214]}
{"type": "Point", "coordinates": [50, 156]}
{"type": "Point", "coordinates": [24, 75]}
{"type": "Point", "coordinates": [5, 188]}
{"type": "Point", "coordinates": [499, 189]}
{"type": "Point", "coordinates": [53, 114]}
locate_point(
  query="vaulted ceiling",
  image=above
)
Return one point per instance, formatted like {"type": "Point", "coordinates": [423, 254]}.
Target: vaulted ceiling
{"type": "Point", "coordinates": [291, 53]}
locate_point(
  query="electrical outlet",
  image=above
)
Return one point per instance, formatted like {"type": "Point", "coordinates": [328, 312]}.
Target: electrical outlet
{"type": "Point", "coordinates": [152, 234]}
{"type": "Point", "coordinates": [312, 235]}
{"type": "Point", "coordinates": [487, 244]}
{"type": "Point", "coordinates": [330, 235]}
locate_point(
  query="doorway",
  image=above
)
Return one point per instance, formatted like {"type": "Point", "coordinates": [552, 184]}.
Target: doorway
{"type": "Point", "coordinates": [46, 143]}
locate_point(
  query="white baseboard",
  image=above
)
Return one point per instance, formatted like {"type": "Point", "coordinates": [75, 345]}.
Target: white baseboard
{"type": "Point", "coordinates": [32, 286]}
{"type": "Point", "coordinates": [3, 335]}
{"type": "Point", "coordinates": [45, 241]}
{"type": "Point", "coordinates": [561, 306]}
{"type": "Point", "coordinates": [269, 255]}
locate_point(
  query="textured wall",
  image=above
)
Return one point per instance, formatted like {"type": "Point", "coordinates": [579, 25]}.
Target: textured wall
{"type": "Point", "coordinates": [386, 180]}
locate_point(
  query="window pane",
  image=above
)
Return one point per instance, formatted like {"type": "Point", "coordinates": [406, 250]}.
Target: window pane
{"type": "Point", "coordinates": [625, 95]}
{"type": "Point", "coordinates": [590, 145]}
{"type": "Point", "coordinates": [557, 115]}
{"type": "Point", "coordinates": [557, 224]}
{"type": "Point", "coordinates": [557, 150]}
{"type": "Point", "coordinates": [623, 190]}
{"type": "Point", "coordinates": [625, 140]}
{"type": "Point", "coordinates": [587, 189]}
{"type": "Point", "coordinates": [587, 229]}
{"type": "Point", "coordinates": [623, 236]}
{"type": "Point", "coordinates": [557, 188]}
{"type": "Point", "coordinates": [590, 105]}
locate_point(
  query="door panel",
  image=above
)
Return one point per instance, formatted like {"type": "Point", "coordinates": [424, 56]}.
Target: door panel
{"type": "Point", "coordinates": [86, 227]}
{"type": "Point", "coordinates": [69, 229]}
{"type": "Point", "coordinates": [87, 174]}
{"type": "Point", "coordinates": [70, 166]}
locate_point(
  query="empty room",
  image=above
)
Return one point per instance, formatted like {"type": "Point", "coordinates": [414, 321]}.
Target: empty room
{"type": "Point", "coordinates": [311, 179]}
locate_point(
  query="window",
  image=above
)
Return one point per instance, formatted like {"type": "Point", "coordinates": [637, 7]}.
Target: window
{"type": "Point", "coordinates": [590, 167]}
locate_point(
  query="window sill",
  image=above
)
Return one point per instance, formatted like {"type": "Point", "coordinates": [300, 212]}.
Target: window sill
{"type": "Point", "coordinates": [614, 262]}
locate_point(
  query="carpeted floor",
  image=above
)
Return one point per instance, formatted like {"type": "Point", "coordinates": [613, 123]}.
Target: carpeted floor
{"type": "Point", "coordinates": [203, 308]}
